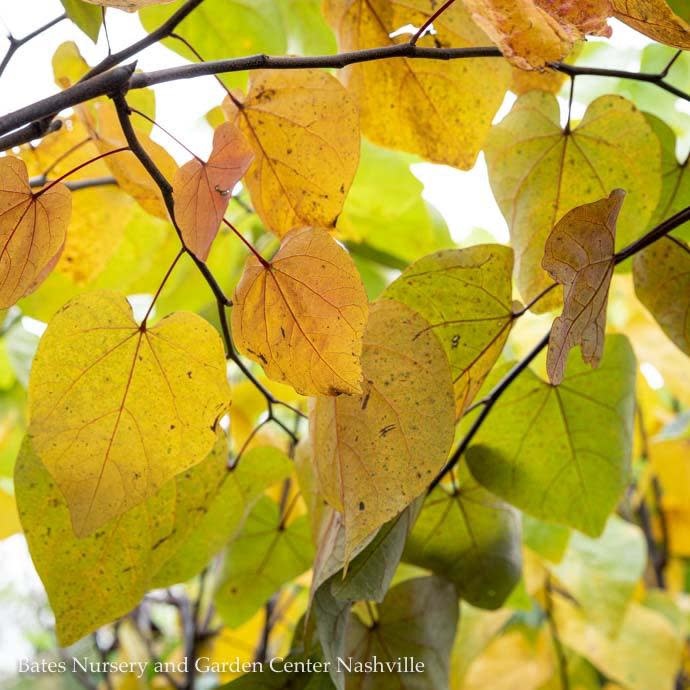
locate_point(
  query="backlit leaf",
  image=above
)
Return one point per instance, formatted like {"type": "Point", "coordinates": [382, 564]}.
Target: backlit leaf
{"type": "Point", "coordinates": [32, 230]}
{"type": "Point", "coordinates": [86, 17]}
{"type": "Point", "coordinates": [9, 520]}
{"type": "Point", "coordinates": [539, 172]}
{"type": "Point", "coordinates": [116, 409]}
{"type": "Point", "coordinates": [202, 189]}
{"type": "Point", "coordinates": [441, 111]}
{"type": "Point", "coordinates": [265, 555]}
{"type": "Point", "coordinates": [377, 452]}
{"type": "Point", "coordinates": [417, 619]}
{"type": "Point", "coordinates": [302, 315]}
{"type": "Point", "coordinates": [532, 33]}
{"type": "Point", "coordinates": [303, 128]}
{"type": "Point", "coordinates": [470, 538]}
{"type": "Point", "coordinates": [466, 296]}
{"type": "Point", "coordinates": [579, 254]}
{"type": "Point", "coordinates": [662, 284]}
{"type": "Point", "coordinates": [655, 19]}
{"type": "Point", "coordinates": [601, 574]}
{"type": "Point", "coordinates": [538, 451]}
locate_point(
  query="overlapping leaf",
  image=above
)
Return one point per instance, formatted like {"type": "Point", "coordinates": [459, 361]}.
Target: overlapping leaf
{"type": "Point", "coordinates": [539, 172]}
{"type": "Point", "coordinates": [88, 18]}
{"type": "Point", "coordinates": [376, 452]}
{"type": "Point", "coordinates": [533, 33]}
{"type": "Point", "coordinates": [202, 189]}
{"type": "Point", "coordinates": [442, 111]}
{"type": "Point", "coordinates": [562, 453]}
{"type": "Point", "coordinates": [117, 409]}
{"type": "Point", "coordinates": [662, 284]}
{"type": "Point", "coordinates": [302, 315]}
{"type": "Point", "coordinates": [265, 555]}
{"type": "Point", "coordinates": [470, 538]}
{"type": "Point", "coordinates": [32, 230]}
{"type": "Point", "coordinates": [466, 296]}
{"type": "Point", "coordinates": [655, 19]}
{"type": "Point", "coordinates": [417, 619]}
{"type": "Point", "coordinates": [167, 539]}
{"type": "Point", "coordinates": [601, 574]}
{"type": "Point", "coordinates": [579, 254]}
{"type": "Point", "coordinates": [304, 131]}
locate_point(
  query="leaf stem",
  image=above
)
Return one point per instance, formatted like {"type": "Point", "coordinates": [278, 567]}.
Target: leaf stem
{"type": "Point", "coordinates": [423, 28]}
{"type": "Point", "coordinates": [248, 244]}
{"type": "Point", "coordinates": [160, 288]}
{"type": "Point", "coordinates": [166, 132]}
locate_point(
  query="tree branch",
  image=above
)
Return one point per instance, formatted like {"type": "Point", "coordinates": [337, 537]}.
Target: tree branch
{"type": "Point", "coordinates": [17, 43]}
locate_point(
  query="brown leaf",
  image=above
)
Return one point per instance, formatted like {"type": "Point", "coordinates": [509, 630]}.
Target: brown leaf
{"type": "Point", "coordinates": [654, 18]}
{"type": "Point", "coordinates": [32, 230]}
{"type": "Point", "coordinates": [579, 254]}
{"type": "Point", "coordinates": [202, 190]}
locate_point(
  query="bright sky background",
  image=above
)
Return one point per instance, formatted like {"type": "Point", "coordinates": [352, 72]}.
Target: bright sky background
{"type": "Point", "coordinates": [463, 198]}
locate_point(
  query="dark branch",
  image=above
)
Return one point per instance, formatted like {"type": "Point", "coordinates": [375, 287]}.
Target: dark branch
{"type": "Point", "coordinates": [32, 131]}
{"type": "Point", "coordinates": [163, 31]}
{"type": "Point", "coordinates": [75, 186]}
{"type": "Point", "coordinates": [17, 43]}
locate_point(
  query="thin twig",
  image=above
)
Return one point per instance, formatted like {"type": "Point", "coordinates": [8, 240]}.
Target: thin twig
{"type": "Point", "coordinates": [17, 43]}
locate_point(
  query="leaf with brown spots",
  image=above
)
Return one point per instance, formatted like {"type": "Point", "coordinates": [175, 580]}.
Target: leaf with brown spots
{"type": "Point", "coordinates": [302, 315]}
{"type": "Point", "coordinates": [117, 409]}
{"type": "Point", "coordinates": [439, 110]}
{"type": "Point", "coordinates": [375, 453]}
{"type": "Point", "coordinates": [579, 254]}
{"type": "Point", "coordinates": [304, 130]}
{"type": "Point", "coordinates": [32, 230]}
{"type": "Point", "coordinates": [202, 189]}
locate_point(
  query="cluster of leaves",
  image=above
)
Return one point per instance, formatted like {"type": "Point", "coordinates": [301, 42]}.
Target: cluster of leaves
{"type": "Point", "coordinates": [363, 444]}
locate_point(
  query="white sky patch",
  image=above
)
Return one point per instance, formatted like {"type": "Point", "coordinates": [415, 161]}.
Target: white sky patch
{"type": "Point", "coordinates": [652, 375]}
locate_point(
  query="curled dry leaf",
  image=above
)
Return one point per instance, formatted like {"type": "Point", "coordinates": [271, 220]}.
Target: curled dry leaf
{"type": "Point", "coordinates": [302, 315]}
{"type": "Point", "coordinates": [202, 189]}
{"type": "Point", "coordinates": [579, 254]}
{"type": "Point", "coordinates": [117, 409]}
{"type": "Point", "coordinates": [32, 230]}
{"type": "Point", "coordinates": [533, 33]}
{"type": "Point", "coordinates": [439, 110]}
{"type": "Point", "coordinates": [304, 130]}
{"type": "Point", "coordinates": [655, 19]}
{"type": "Point", "coordinates": [375, 453]}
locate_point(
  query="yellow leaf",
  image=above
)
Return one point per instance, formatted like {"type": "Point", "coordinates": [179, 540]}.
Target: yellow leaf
{"type": "Point", "coordinates": [533, 33]}
{"type": "Point", "coordinates": [117, 409]}
{"type": "Point", "coordinates": [304, 130]}
{"type": "Point", "coordinates": [662, 284]}
{"type": "Point", "coordinates": [32, 230]}
{"type": "Point", "coordinates": [579, 254]}
{"type": "Point", "coordinates": [9, 519]}
{"type": "Point", "coordinates": [128, 171]}
{"type": "Point", "coordinates": [539, 171]}
{"type": "Point", "coordinates": [439, 110]}
{"type": "Point", "coordinates": [375, 453]}
{"type": "Point", "coordinates": [302, 315]}
{"type": "Point", "coordinates": [202, 190]}
{"type": "Point", "coordinates": [466, 296]}
{"type": "Point", "coordinates": [654, 18]}
{"type": "Point", "coordinates": [87, 247]}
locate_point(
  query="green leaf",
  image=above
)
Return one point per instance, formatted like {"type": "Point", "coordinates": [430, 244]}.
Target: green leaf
{"type": "Point", "coordinates": [562, 453]}
{"type": "Point", "coordinates": [470, 538]}
{"type": "Point", "coordinates": [264, 556]}
{"type": "Point", "coordinates": [384, 207]}
{"type": "Point", "coordinates": [220, 29]}
{"type": "Point", "coordinates": [211, 504]}
{"type": "Point", "coordinates": [545, 538]}
{"type": "Point", "coordinates": [306, 28]}
{"type": "Point", "coordinates": [88, 18]}
{"type": "Point", "coordinates": [466, 296]}
{"type": "Point", "coordinates": [417, 619]}
{"type": "Point", "coordinates": [539, 171]}
{"type": "Point", "coordinates": [601, 574]}
{"type": "Point", "coordinates": [167, 539]}
{"type": "Point", "coordinates": [296, 672]}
